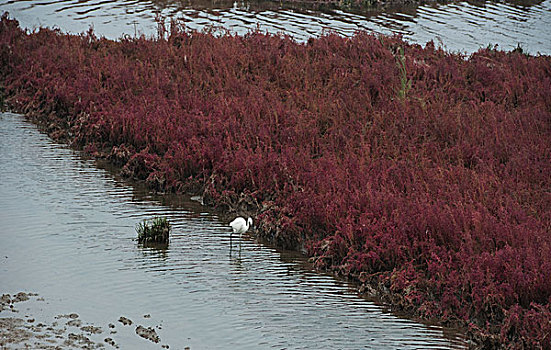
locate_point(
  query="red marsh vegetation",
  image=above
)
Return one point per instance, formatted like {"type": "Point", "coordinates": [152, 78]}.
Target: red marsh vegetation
{"type": "Point", "coordinates": [421, 174]}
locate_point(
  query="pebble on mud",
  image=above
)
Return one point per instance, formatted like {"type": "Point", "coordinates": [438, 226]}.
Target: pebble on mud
{"type": "Point", "coordinates": [73, 339]}
{"type": "Point", "coordinates": [5, 299]}
{"type": "Point", "coordinates": [125, 321]}
{"type": "Point", "coordinates": [21, 296]}
{"type": "Point", "coordinates": [148, 333]}
{"type": "Point", "coordinates": [92, 329]}
{"type": "Point", "coordinates": [73, 316]}
{"type": "Point", "coordinates": [111, 342]}
{"type": "Point", "coordinates": [74, 323]}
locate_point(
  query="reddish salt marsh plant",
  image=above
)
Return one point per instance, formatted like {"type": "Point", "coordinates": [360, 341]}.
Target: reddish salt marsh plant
{"type": "Point", "coordinates": [437, 197]}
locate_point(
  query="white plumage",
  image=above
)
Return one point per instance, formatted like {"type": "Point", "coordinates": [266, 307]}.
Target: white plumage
{"type": "Point", "coordinates": [240, 225]}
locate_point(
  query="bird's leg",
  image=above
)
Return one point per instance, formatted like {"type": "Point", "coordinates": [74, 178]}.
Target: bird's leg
{"type": "Point", "coordinates": [240, 235]}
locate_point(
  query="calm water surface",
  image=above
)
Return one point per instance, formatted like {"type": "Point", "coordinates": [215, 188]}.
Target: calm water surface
{"type": "Point", "coordinates": [460, 26]}
{"type": "Point", "coordinates": [67, 233]}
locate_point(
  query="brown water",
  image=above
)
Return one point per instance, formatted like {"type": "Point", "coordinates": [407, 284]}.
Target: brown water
{"type": "Point", "coordinates": [459, 26]}
{"type": "Point", "coordinates": [67, 233]}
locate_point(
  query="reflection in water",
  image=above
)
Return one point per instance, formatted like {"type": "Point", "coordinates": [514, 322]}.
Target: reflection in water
{"type": "Point", "coordinates": [68, 234]}
{"type": "Point", "coordinates": [461, 26]}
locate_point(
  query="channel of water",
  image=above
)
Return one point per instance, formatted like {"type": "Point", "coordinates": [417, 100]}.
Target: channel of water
{"type": "Point", "coordinates": [67, 233]}
{"type": "Point", "coordinates": [458, 26]}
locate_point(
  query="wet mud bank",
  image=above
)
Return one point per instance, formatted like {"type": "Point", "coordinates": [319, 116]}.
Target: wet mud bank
{"type": "Point", "coordinates": [417, 173]}
{"type": "Point", "coordinates": [24, 326]}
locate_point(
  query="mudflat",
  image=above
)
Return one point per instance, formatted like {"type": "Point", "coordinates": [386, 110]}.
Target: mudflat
{"type": "Point", "coordinates": [23, 325]}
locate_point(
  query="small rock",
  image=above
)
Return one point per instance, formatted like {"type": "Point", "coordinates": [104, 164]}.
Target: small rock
{"type": "Point", "coordinates": [74, 323]}
{"type": "Point", "coordinates": [148, 333]}
{"type": "Point", "coordinates": [73, 316]}
{"type": "Point", "coordinates": [110, 341]}
{"type": "Point", "coordinates": [91, 329]}
{"type": "Point", "coordinates": [21, 296]}
{"type": "Point", "coordinates": [125, 321]}
{"type": "Point", "coordinates": [5, 299]}
{"type": "Point", "coordinates": [78, 338]}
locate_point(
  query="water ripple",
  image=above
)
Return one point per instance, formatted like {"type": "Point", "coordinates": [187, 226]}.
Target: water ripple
{"type": "Point", "coordinates": [459, 26]}
{"type": "Point", "coordinates": [68, 234]}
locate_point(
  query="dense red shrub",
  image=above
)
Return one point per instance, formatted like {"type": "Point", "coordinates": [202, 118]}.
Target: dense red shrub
{"type": "Point", "coordinates": [422, 174]}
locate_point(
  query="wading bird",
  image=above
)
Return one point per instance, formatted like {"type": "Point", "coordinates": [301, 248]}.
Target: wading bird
{"type": "Point", "coordinates": [239, 225]}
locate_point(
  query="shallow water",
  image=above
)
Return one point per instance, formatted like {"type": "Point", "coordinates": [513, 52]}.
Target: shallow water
{"type": "Point", "coordinates": [460, 26]}
{"type": "Point", "coordinates": [67, 233]}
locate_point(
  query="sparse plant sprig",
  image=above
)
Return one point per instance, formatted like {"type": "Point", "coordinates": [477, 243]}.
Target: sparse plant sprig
{"type": "Point", "coordinates": [405, 83]}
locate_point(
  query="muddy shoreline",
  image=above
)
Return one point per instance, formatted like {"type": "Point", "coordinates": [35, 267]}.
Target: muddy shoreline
{"type": "Point", "coordinates": [24, 326]}
{"type": "Point", "coordinates": [367, 286]}
{"type": "Point", "coordinates": [433, 119]}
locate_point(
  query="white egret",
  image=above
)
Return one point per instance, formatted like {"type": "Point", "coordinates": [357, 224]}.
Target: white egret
{"type": "Point", "coordinates": [240, 225]}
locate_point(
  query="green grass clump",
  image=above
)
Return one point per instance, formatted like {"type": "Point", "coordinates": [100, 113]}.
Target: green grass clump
{"type": "Point", "coordinates": [156, 230]}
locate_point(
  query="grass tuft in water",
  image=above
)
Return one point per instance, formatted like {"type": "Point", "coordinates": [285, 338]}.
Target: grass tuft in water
{"type": "Point", "coordinates": [156, 230]}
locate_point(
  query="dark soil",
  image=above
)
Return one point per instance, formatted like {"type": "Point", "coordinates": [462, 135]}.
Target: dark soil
{"type": "Point", "coordinates": [64, 331]}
